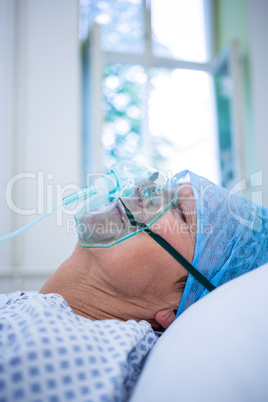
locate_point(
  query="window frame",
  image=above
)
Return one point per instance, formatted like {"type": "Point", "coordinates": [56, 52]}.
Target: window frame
{"type": "Point", "coordinates": [98, 58]}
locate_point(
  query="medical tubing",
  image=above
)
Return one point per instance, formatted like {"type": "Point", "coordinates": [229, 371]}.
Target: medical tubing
{"type": "Point", "coordinates": [30, 224]}
{"type": "Point", "coordinates": [198, 276]}
{"type": "Point", "coordinates": [87, 191]}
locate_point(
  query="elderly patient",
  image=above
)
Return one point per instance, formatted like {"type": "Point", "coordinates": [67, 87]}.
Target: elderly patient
{"type": "Point", "coordinates": [222, 235]}
{"type": "Point", "coordinates": [134, 279]}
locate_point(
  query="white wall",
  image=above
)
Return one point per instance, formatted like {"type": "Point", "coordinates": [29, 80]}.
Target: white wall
{"type": "Point", "coordinates": [40, 131]}
{"type": "Point", "coordinates": [5, 118]}
{"type": "Point", "coordinates": [258, 34]}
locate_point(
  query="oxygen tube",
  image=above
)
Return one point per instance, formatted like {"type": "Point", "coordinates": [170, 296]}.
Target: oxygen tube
{"type": "Point", "coordinates": [119, 182]}
{"type": "Point", "coordinates": [100, 186]}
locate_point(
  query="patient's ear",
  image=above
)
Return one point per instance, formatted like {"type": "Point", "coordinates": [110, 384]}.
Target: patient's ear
{"type": "Point", "coordinates": [165, 317]}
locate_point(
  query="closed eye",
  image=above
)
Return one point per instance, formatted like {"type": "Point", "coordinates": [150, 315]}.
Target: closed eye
{"type": "Point", "coordinates": [179, 209]}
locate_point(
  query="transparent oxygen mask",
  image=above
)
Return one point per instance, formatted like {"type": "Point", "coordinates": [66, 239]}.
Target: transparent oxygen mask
{"type": "Point", "coordinates": [101, 219]}
{"type": "Point", "coordinates": [100, 216]}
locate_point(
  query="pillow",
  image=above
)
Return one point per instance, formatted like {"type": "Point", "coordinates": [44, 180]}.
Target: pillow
{"type": "Point", "coordinates": [217, 350]}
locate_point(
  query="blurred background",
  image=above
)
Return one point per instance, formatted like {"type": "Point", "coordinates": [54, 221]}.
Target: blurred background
{"type": "Point", "coordinates": [175, 84]}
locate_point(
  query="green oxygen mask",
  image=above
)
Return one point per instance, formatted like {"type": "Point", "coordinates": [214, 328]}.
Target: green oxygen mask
{"type": "Point", "coordinates": [100, 216]}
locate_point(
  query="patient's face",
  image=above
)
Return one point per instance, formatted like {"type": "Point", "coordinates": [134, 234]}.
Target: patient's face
{"type": "Point", "coordinates": [141, 270]}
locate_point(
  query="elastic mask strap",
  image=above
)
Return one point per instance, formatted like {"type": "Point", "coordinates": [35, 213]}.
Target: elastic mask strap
{"type": "Point", "coordinates": [171, 250]}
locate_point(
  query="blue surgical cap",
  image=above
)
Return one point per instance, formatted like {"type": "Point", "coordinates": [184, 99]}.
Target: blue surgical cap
{"type": "Point", "coordinates": [231, 239]}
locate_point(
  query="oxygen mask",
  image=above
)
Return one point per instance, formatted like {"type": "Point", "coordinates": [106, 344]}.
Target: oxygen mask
{"type": "Point", "coordinates": [100, 216]}
{"type": "Point", "coordinates": [120, 204]}
{"type": "Point", "coordinates": [101, 219]}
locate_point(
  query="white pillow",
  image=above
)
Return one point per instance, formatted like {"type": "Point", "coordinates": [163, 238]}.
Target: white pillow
{"type": "Point", "coordinates": [217, 350]}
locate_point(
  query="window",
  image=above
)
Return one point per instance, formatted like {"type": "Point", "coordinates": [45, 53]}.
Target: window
{"type": "Point", "coordinates": [148, 89]}
{"type": "Point", "coordinates": [228, 93]}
